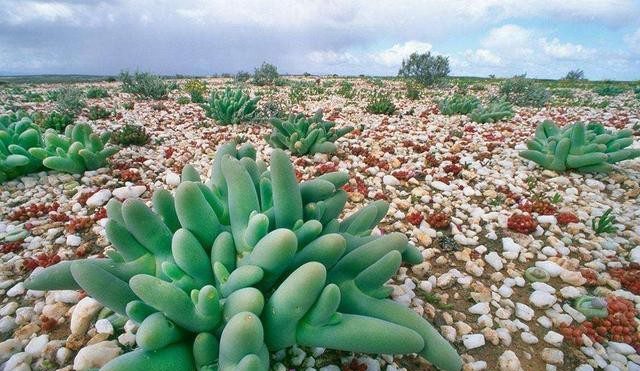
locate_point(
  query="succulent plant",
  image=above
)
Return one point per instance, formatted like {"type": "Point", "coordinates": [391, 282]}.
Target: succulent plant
{"type": "Point", "coordinates": [18, 134]}
{"type": "Point", "coordinates": [79, 149]}
{"type": "Point", "coordinates": [223, 272]}
{"type": "Point", "coordinates": [493, 112]}
{"type": "Point", "coordinates": [302, 135]}
{"type": "Point", "coordinates": [458, 105]}
{"type": "Point", "coordinates": [231, 106]}
{"type": "Point", "coordinates": [380, 104]}
{"type": "Point", "coordinates": [585, 148]}
{"type": "Point", "coordinates": [130, 134]}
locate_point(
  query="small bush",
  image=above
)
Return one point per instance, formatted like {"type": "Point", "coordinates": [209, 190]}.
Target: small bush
{"type": "Point", "coordinates": [346, 90]}
{"type": "Point", "coordinates": [144, 85]}
{"type": "Point", "coordinates": [380, 104]}
{"type": "Point", "coordinates": [96, 92]}
{"type": "Point", "coordinates": [196, 89]}
{"type": "Point", "coordinates": [98, 113]}
{"type": "Point", "coordinates": [563, 93]}
{"type": "Point", "coordinates": [70, 101]}
{"type": "Point", "coordinates": [273, 109]}
{"type": "Point", "coordinates": [183, 100]}
{"type": "Point", "coordinates": [413, 91]}
{"type": "Point", "coordinates": [242, 76]}
{"type": "Point", "coordinates": [128, 105]}
{"type": "Point", "coordinates": [130, 135]}
{"type": "Point", "coordinates": [54, 120]}
{"type": "Point", "coordinates": [266, 74]}
{"type": "Point", "coordinates": [297, 93]}
{"type": "Point", "coordinates": [608, 90]}
{"type": "Point", "coordinates": [521, 91]}
{"type": "Point", "coordinates": [425, 68]}
{"type": "Point", "coordinates": [574, 75]}
{"type": "Point", "coordinates": [32, 97]}
{"type": "Point", "coordinates": [458, 105]}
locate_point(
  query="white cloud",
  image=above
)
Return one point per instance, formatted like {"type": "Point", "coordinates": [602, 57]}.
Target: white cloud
{"type": "Point", "coordinates": [393, 56]}
{"type": "Point", "coordinates": [33, 11]}
{"type": "Point", "coordinates": [509, 39]}
{"type": "Point", "coordinates": [558, 50]}
{"type": "Point", "coordinates": [332, 58]}
{"type": "Point", "coordinates": [633, 41]}
{"type": "Point", "coordinates": [483, 57]}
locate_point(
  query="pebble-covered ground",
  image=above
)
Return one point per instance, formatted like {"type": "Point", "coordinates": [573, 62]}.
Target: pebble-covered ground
{"type": "Point", "coordinates": [456, 188]}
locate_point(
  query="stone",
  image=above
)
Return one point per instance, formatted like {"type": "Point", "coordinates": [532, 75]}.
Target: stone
{"type": "Point", "coordinates": [542, 299]}
{"type": "Point", "coordinates": [494, 260]}
{"type": "Point", "coordinates": [553, 356]}
{"type": "Point", "coordinates": [448, 332]}
{"type": "Point", "coordinates": [8, 348]}
{"type": "Point", "coordinates": [96, 355]}
{"type": "Point", "coordinates": [17, 289]}
{"type": "Point", "coordinates": [573, 278]}
{"type": "Point", "coordinates": [621, 348]}
{"type": "Point", "coordinates": [553, 338]}
{"type": "Point", "coordinates": [124, 193]}
{"type": "Point", "coordinates": [472, 341]}
{"type": "Point", "coordinates": [524, 312]}
{"type": "Point", "coordinates": [550, 267]}
{"type": "Point", "coordinates": [99, 198]}
{"type": "Point", "coordinates": [103, 326]}
{"type": "Point", "coordinates": [82, 315]}
{"type": "Point", "coordinates": [508, 361]}
{"type": "Point", "coordinates": [73, 240]}
{"type": "Point", "coordinates": [37, 345]}
{"type": "Point", "coordinates": [390, 180]}
{"type": "Point", "coordinates": [480, 308]}
{"type": "Point", "coordinates": [529, 338]}
{"type": "Point", "coordinates": [172, 179]}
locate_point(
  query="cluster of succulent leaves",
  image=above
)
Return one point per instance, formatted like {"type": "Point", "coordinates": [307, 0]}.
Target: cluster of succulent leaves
{"type": "Point", "coordinates": [494, 111]}
{"type": "Point", "coordinates": [580, 147]}
{"type": "Point", "coordinates": [605, 223]}
{"type": "Point", "coordinates": [346, 90]}
{"type": "Point", "coordinates": [232, 106]}
{"type": "Point", "coordinates": [144, 85]}
{"type": "Point", "coordinates": [196, 89]}
{"type": "Point", "coordinates": [18, 134]}
{"type": "Point", "coordinates": [32, 97]}
{"type": "Point", "coordinates": [380, 104]}
{"type": "Point", "coordinates": [96, 92]}
{"type": "Point", "coordinates": [69, 101]}
{"type": "Point", "coordinates": [266, 74]}
{"type": "Point", "coordinates": [77, 150]}
{"type": "Point", "coordinates": [608, 90]}
{"type": "Point", "coordinates": [54, 120]}
{"type": "Point", "coordinates": [130, 134]}
{"type": "Point", "coordinates": [521, 91]}
{"type": "Point", "coordinates": [302, 135]}
{"type": "Point", "coordinates": [225, 271]}
{"type": "Point", "coordinates": [458, 105]}
{"type": "Point", "coordinates": [98, 113]}
{"type": "Point", "coordinates": [414, 92]}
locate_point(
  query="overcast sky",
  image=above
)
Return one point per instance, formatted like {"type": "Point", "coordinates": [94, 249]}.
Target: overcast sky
{"type": "Point", "coordinates": [545, 38]}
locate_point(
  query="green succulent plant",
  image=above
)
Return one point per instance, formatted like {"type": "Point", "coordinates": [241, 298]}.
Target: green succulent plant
{"type": "Point", "coordinates": [585, 148]}
{"type": "Point", "coordinates": [458, 105]}
{"type": "Point", "coordinates": [223, 272]}
{"type": "Point", "coordinates": [380, 104]}
{"type": "Point", "coordinates": [492, 112]}
{"type": "Point", "coordinates": [302, 135]}
{"type": "Point", "coordinates": [130, 134]}
{"type": "Point", "coordinates": [18, 134]}
{"type": "Point", "coordinates": [79, 149]}
{"type": "Point", "coordinates": [231, 107]}
{"type": "Point", "coordinates": [608, 90]}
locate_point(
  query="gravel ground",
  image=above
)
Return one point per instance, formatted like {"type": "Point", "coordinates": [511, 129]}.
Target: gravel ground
{"type": "Point", "coordinates": [453, 186]}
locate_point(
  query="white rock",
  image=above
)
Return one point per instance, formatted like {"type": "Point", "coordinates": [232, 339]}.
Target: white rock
{"type": "Point", "coordinates": [448, 332]}
{"type": "Point", "coordinates": [440, 186]}
{"type": "Point", "coordinates": [99, 198]}
{"type": "Point", "coordinates": [504, 335]}
{"type": "Point", "coordinates": [508, 361]}
{"type": "Point", "coordinates": [547, 219]}
{"type": "Point", "coordinates": [524, 312]}
{"type": "Point", "coordinates": [8, 348]}
{"type": "Point", "coordinates": [494, 260]}
{"type": "Point", "coordinates": [552, 268]}
{"type": "Point", "coordinates": [510, 248]}
{"type": "Point", "coordinates": [18, 361]}
{"type": "Point", "coordinates": [480, 308]}
{"type": "Point", "coordinates": [541, 286]}
{"type": "Point", "coordinates": [584, 367]}
{"type": "Point", "coordinates": [390, 180]}
{"type": "Point", "coordinates": [474, 366]}
{"type": "Point", "coordinates": [103, 326]}
{"type": "Point", "coordinates": [542, 299]}
{"type": "Point", "coordinates": [622, 348]}
{"type": "Point", "coordinates": [528, 338]}
{"type": "Point", "coordinates": [127, 339]}
{"type": "Point", "coordinates": [82, 314]}
{"type": "Point", "coordinates": [570, 292]}
{"type": "Point", "coordinates": [7, 324]}
{"type": "Point", "coordinates": [554, 338]}
{"type": "Point", "coordinates": [65, 296]}
{"type": "Point", "coordinates": [172, 179]}
{"type": "Point", "coordinates": [505, 291]}
{"type": "Point", "coordinates": [63, 355]}
{"type": "Point", "coordinates": [17, 289]}
{"type": "Point", "coordinates": [73, 240]}
{"type": "Point", "coordinates": [96, 355]}
{"type": "Point", "coordinates": [37, 345]}
{"type": "Point", "coordinates": [635, 255]}
{"type": "Point", "coordinates": [124, 193]}
{"type": "Point", "coordinates": [472, 341]}
{"type": "Point", "coordinates": [553, 356]}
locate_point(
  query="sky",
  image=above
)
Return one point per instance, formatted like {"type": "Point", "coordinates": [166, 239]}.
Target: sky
{"type": "Point", "coordinates": [543, 38]}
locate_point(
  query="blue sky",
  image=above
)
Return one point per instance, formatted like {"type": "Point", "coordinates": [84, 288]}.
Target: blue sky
{"type": "Point", "coordinates": [481, 37]}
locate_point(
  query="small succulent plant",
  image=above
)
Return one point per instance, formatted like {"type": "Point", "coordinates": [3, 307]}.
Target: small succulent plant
{"type": "Point", "coordinates": [56, 121]}
{"type": "Point", "coordinates": [584, 148]}
{"type": "Point", "coordinates": [251, 261]}
{"type": "Point", "coordinates": [605, 223]}
{"type": "Point", "coordinates": [458, 105]}
{"type": "Point", "coordinates": [381, 104]}
{"type": "Point", "coordinates": [302, 135]}
{"type": "Point", "coordinates": [130, 134]}
{"type": "Point", "coordinates": [492, 112]}
{"type": "Point", "coordinates": [608, 90]}
{"type": "Point", "coordinates": [79, 149]}
{"type": "Point", "coordinates": [18, 134]}
{"type": "Point", "coordinates": [231, 107]}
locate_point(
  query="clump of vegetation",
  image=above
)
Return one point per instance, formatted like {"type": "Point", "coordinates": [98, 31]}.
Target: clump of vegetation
{"type": "Point", "coordinates": [98, 113]}
{"type": "Point", "coordinates": [242, 76]}
{"type": "Point", "coordinates": [346, 90]}
{"type": "Point", "coordinates": [183, 100]}
{"type": "Point", "coordinates": [266, 74]}
{"type": "Point", "coordinates": [458, 105]}
{"type": "Point", "coordinates": [96, 92]}
{"type": "Point", "coordinates": [32, 97]}
{"type": "Point", "coordinates": [70, 101]}
{"type": "Point", "coordinates": [302, 135]}
{"type": "Point", "coordinates": [18, 134]}
{"type": "Point", "coordinates": [524, 92]}
{"type": "Point", "coordinates": [563, 93]}
{"type": "Point", "coordinates": [144, 85]}
{"type": "Point", "coordinates": [196, 89]}
{"type": "Point", "coordinates": [492, 112]}
{"type": "Point", "coordinates": [56, 121]}
{"type": "Point", "coordinates": [380, 104]}
{"type": "Point", "coordinates": [574, 75]}
{"type": "Point", "coordinates": [273, 109]}
{"type": "Point", "coordinates": [130, 134]}
{"type": "Point", "coordinates": [231, 107]}
{"type": "Point", "coordinates": [425, 68]}
{"type": "Point", "coordinates": [128, 105]}
{"type": "Point", "coordinates": [297, 93]}
{"type": "Point", "coordinates": [584, 148]}
{"type": "Point", "coordinates": [608, 90]}
{"type": "Point", "coordinates": [413, 91]}
{"type": "Point", "coordinates": [605, 223]}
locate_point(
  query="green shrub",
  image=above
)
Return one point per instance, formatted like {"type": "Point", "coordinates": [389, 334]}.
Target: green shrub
{"type": "Point", "coordinates": [130, 135]}
{"type": "Point", "coordinates": [563, 93]}
{"type": "Point", "coordinates": [273, 109]}
{"type": "Point", "coordinates": [196, 89]}
{"type": "Point", "coordinates": [425, 68]}
{"type": "Point", "coordinates": [302, 135]}
{"type": "Point", "coordinates": [231, 107]}
{"type": "Point", "coordinates": [346, 90]}
{"type": "Point", "coordinates": [144, 85]}
{"type": "Point", "coordinates": [70, 101]}
{"type": "Point", "coordinates": [380, 103]}
{"type": "Point", "coordinates": [242, 76]}
{"type": "Point", "coordinates": [524, 92]}
{"type": "Point", "coordinates": [98, 113]}
{"type": "Point", "coordinates": [492, 112]}
{"type": "Point", "coordinates": [96, 92]}
{"type": "Point", "coordinates": [458, 105]}
{"type": "Point", "coordinates": [128, 105]}
{"type": "Point", "coordinates": [183, 100]}
{"type": "Point", "coordinates": [297, 93]}
{"type": "Point", "coordinates": [56, 121]}
{"type": "Point", "coordinates": [414, 92]}
{"type": "Point", "coordinates": [32, 97]}
{"type": "Point", "coordinates": [574, 75]}
{"type": "Point", "coordinates": [266, 74]}
{"type": "Point", "coordinates": [608, 90]}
